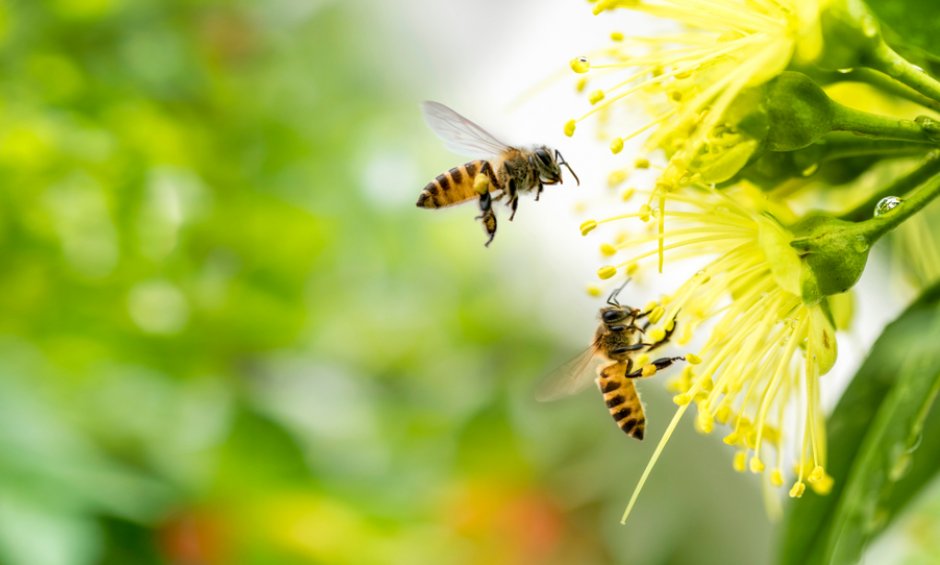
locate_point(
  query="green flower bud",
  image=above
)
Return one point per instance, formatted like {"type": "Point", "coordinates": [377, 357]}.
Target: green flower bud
{"type": "Point", "coordinates": [798, 110]}
{"type": "Point", "coordinates": [833, 254]}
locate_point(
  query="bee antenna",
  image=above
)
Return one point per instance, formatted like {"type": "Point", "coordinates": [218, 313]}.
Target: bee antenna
{"type": "Point", "coordinates": [561, 161]}
{"type": "Point", "coordinates": [612, 299]}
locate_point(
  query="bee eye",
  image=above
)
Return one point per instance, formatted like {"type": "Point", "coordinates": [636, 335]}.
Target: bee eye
{"type": "Point", "coordinates": [543, 156]}
{"type": "Point", "coordinates": [611, 316]}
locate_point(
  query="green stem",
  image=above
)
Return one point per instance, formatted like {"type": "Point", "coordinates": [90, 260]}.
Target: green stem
{"type": "Point", "coordinates": [883, 58]}
{"type": "Point", "coordinates": [927, 169]}
{"type": "Point", "coordinates": [873, 228]}
{"type": "Point", "coordinates": [840, 145]}
{"type": "Point", "coordinates": [878, 127]}
{"type": "Point", "coordinates": [886, 84]}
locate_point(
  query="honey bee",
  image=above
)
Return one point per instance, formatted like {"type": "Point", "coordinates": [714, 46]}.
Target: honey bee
{"type": "Point", "coordinates": [499, 170]}
{"type": "Point", "coordinates": [619, 336]}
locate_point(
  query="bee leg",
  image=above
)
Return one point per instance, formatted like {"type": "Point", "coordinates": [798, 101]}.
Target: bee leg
{"type": "Point", "coordinates": [539, 191]}
{"type": "Point", "coordinates": [659, 365]}
{"type": "Point", "coordinates": [666, 337]}
{"type": "Point", "coordinates": [514, 203]}
{"type": "Point", "coordinates": [488, 217]}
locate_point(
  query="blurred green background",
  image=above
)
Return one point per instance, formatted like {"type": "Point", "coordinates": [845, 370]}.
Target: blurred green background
{"type": "Point", "coordinates": [223, 341]}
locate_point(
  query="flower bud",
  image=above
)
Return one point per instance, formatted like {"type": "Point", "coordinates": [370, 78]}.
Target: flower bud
{"type": "Point", "coordinates": [798, 111]}
{"type": "Point", "coordinates": [833, 256]}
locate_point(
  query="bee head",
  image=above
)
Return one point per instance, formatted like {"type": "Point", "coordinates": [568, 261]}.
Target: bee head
{"type": "Point", "coordinates": [613, 314]}
{"type": "Point", "coordinates": [549, 162]}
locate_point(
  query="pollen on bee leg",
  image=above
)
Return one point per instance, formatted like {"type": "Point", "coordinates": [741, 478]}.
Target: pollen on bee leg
{"type": "Point", "coordinates": [481, 183]}
{"type": "Point", "coordinates": [648, 370]}
{"type": "Point", "coordinates": [606, 272]}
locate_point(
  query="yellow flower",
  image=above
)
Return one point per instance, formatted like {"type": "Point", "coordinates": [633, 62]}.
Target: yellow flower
{"type": "Point", "coordinates": [766, 350]}
{"type": "Point", "coordinates": [688, 80]}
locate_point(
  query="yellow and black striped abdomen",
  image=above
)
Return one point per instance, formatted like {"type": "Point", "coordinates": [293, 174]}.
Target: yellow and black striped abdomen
{"type": "Point", "coordinates": [622, 399]}
{"type": "Point", "coordinates": [454, 186]}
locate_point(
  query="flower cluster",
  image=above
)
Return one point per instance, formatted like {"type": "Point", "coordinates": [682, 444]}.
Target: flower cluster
{"type": "Point", "coordinates": [749, 129]}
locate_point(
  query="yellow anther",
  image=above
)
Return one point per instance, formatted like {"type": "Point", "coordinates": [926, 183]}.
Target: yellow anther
{"type": "Point", "coordinates": [588, 226]}
{"type": "Point", "coordinates": [642, 359]}
{"type": "Point", "coordinates": [481, 183]}
{"type": "Point", "coordinates": [670, 324]}
{"type": "Point", "coordinates": [627, 194]}
{"type": "Point", "coordinates": [616, 36]}
{"type": "Point", "coordinates": [641, 163]}
{"type": "Point", "coordinates": [817, 474]}
{"type": "Point", "coordinates": [649, 371]}
{"type": "Point", "coordinates": [798, 489]}
{"type": "Point", "coordinates": [645, 212]}
{"type": "Point", "coordinates": [657, 314]}
{"type": "Point", "coordinates": [581, 84]}
{"type": "Point", "coordinates": [580, 64]}
{"type": "Point", "coordinates": [606, 272]}
{"type": "Point", "coordinates": [616, 177]}
{"type": "Point", "coordinates": [608, 249]}
{"type": "Point", "coordinates": [685, 336]}
{"type": "Point", "coordinates": [693, 359]}
{"type": "Point", "coordinates": [657, 334]}
{"type": "Point", "coordinates": [632, 268]}
{"type": "Point", "coordinates": [596, 96]}
{"type": "Point", "coordinates": [757, 466]}
{"type": "Point", "coordinates": [723, 414]}
{"type": "Point", "coordinates": [569, 128]}
{"type": "Point", "coordinates": [732, 439]}
{"type": "Point", "coordinates": [681, 399]}
{"type": "Point", "coordinates": [740, 461]}
{"type": "Point", "coordinates": [776, 478]}
{"type": "Point", "coordinates": [707, 384]}
{"type": "Point", "coordinates": [824, 485]}
{"type": "Point", "coordinates": [704, 422]}
{"type": "Point", "coordinates": [594, 290]}
{"type": "Point", "coordinates": [616, 145]}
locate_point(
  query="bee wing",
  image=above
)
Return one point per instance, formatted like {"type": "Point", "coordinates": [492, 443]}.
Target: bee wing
{"type": "Point", "coordinates": [572, 377]}
{"type": "Point", "coordinates": [459, 134]}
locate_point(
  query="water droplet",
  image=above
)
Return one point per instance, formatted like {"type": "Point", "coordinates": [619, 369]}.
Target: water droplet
{"type": "Point", "coordinates": [808, 171]}
{"type": "Point", "coordinates": [845, 71]}
{"type": "Point", "coordinates": [916, 443]}
{"type": "Point", "coordinates": [860, 244]}
{"type": "Point", "coordinates": [887, 204]}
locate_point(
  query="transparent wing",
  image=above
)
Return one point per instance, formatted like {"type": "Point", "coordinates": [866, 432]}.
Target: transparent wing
{"type": "Point", "coordinates": [459, 134]}
{"type": "Point", "coordinates": [572, 377]}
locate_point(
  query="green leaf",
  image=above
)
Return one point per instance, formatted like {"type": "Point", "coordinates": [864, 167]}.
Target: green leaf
{"type": "Point", "coordinates": [878, 456]}
{"type": "Point", "coordinates": [910, 23]}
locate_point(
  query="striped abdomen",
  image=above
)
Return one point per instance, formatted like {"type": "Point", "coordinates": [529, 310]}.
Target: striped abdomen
{"type": "Point", "coordinates": [455, 186]}
{"type": "Point", "coordinates": [622, 399]}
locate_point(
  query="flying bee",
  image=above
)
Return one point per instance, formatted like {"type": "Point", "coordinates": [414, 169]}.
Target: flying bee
{"type": "Point", "coordinates": [499, 170]}
{"type": "Point", "coordinates": [619, 337]}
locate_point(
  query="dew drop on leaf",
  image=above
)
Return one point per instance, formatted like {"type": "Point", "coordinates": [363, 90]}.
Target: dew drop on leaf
{"type": "Point", "coordinates": [886, 204]}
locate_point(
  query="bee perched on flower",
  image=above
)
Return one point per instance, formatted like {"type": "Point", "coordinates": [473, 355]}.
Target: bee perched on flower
{"type": "Point", "coordinates": [748, 126]}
